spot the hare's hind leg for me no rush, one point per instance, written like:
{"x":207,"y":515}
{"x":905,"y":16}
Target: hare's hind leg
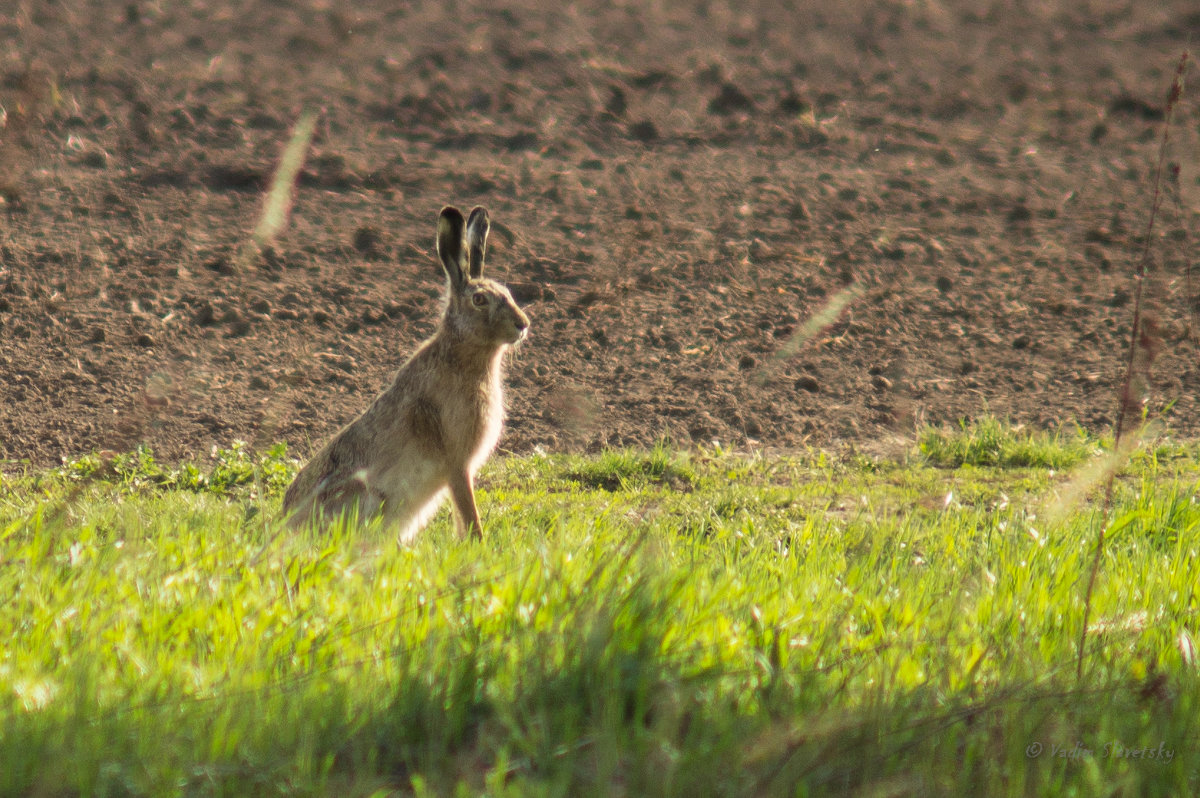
{"x":462,"y":491}
{"x":342,"y":497}
{"x":410,"y":517}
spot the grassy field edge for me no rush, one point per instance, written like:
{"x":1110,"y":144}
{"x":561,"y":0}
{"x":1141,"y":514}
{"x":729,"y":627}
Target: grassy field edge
{"x":659,"y":622}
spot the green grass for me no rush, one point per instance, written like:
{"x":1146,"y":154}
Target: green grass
{"x":635,"y":624}
{"x":990,"y":442}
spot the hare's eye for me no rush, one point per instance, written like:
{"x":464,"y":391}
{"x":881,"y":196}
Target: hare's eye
{"x":478,"y":300}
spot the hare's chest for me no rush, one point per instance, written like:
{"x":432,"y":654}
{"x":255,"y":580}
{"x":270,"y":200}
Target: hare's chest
{"x":469,"y":419}
{"x":490,"y":421}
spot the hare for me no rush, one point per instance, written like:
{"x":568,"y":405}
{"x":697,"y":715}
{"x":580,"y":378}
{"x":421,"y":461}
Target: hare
{"x":436,"y":424}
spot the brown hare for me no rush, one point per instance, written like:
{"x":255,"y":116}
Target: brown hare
{"x":436,"y":424}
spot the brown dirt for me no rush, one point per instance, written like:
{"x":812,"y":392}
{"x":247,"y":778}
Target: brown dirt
{"x":677,"y":188}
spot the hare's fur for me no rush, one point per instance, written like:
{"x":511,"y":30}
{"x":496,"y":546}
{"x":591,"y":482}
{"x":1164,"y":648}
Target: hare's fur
{"x":429,"y":432}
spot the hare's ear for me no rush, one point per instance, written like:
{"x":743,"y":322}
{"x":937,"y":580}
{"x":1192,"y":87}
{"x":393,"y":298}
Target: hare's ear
{"x":477,"y":233}
{"x":450,"y":244}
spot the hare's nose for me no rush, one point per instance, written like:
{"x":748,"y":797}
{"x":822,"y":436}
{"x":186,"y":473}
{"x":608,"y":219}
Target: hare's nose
{"x":522,"y":322}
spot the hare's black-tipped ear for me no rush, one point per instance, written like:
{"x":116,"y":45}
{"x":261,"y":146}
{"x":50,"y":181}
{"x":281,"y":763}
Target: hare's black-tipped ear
{"x":477,"y":233}
{"x":450,"y":244}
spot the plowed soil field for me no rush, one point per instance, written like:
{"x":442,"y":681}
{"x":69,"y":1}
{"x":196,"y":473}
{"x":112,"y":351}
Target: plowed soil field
{"x":761,"y":223}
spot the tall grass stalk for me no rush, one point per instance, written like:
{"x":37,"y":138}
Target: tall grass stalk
{"x":1144,"y":341}
{"x":279,"y":197}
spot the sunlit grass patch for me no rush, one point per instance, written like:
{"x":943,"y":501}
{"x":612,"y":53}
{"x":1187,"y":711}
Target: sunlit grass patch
{"x":635,"y":623}
{"x":626,"y":468}
{"x":990,"y":442}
